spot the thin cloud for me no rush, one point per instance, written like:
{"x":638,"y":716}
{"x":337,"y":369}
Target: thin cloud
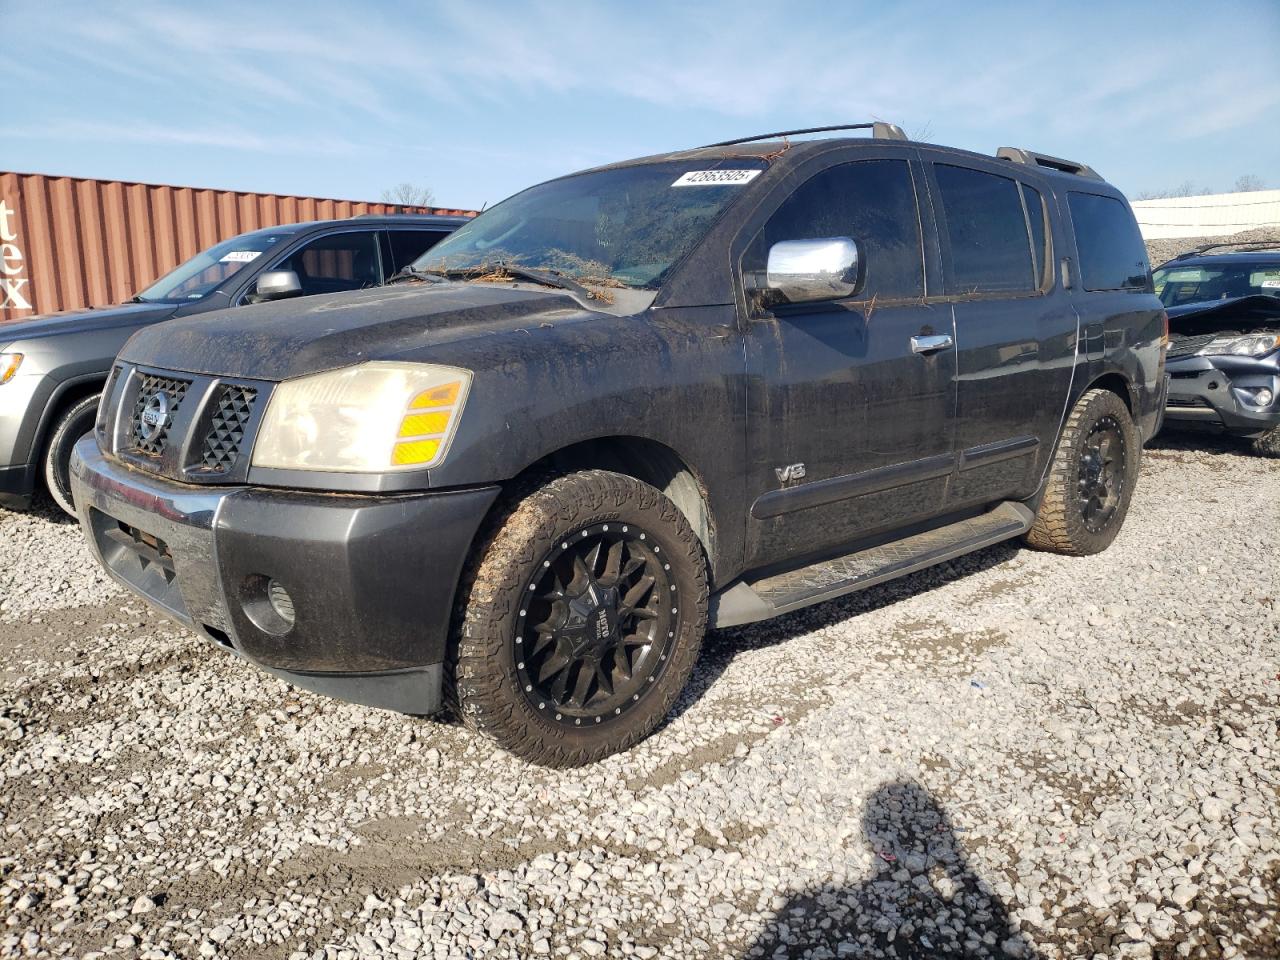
{"x":78,"y":131}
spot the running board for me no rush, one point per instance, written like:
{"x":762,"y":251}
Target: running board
{"x":748,"y":601}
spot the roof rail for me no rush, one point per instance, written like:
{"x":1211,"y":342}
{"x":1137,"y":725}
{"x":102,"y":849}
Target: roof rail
{"x":1018,"y":155}
{"x":879,"y":130}
{"x":1227,"y":243}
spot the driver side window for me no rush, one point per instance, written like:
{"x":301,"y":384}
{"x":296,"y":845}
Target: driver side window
{"x":343,"y":261}
{"x":872,"y":201}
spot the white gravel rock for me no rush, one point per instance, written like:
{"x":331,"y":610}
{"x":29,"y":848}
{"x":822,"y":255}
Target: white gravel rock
{"x":1014,"y":754}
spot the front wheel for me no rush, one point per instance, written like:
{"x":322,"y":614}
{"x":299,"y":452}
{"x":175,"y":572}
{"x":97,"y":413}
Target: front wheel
{"x":580,"y":620}
{"x":71,"y":426}
{"x":1092,"y":478}
{"x":1268,"y":445}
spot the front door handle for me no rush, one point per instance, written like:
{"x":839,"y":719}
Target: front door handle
{"x":932,"y":344}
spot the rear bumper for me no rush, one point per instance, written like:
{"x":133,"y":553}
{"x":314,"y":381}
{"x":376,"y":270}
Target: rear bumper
{"x":1201,"y":394}
{"x":371,"y":579}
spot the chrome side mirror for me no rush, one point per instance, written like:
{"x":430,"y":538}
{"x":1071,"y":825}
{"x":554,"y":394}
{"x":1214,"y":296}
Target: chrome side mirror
{"x":277,"y":285}
{"x":804,"y":271}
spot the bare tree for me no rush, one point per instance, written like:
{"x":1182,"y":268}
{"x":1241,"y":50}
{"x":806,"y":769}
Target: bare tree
{"x":1247,"y":183}
{"x":1185,"y":189}
{"x":410,"y":195}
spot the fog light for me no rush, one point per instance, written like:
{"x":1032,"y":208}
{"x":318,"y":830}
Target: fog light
{"x":1262,"y":396}
{"x":280,"y":601}
{"x":267,"y":604}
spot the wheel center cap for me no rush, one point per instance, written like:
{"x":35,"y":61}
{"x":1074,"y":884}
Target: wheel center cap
{"x":592,"y":624}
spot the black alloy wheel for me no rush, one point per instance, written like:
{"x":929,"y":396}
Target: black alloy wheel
{"x":599,"y":619}
{"x":1102,"y":473}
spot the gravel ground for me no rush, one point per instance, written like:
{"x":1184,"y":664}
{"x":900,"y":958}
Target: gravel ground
{"x":1015,"y":754}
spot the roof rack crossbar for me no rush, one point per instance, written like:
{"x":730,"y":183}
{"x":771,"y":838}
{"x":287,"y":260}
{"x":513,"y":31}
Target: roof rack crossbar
{"x":879,"y":130}
{"x":1227,"y":243}
{"x":1030,"y":157}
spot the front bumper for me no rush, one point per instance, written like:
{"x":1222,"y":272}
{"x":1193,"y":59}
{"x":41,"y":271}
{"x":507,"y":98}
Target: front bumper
{"x":1216,"y":397}
{"x":17,"y":484}
{"x":371,"y":579}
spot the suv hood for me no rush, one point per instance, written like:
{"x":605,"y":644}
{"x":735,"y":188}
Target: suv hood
{"x":1261,"y":309}
{"x":84,"y":321}
{"x":292,"y":338}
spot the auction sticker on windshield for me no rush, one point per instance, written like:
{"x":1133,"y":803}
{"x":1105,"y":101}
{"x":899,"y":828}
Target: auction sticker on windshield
{"x":715,"y":178}
{"x":241,"y":256}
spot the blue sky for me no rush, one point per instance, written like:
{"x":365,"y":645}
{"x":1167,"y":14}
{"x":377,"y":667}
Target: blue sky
{"x":476,"y":100}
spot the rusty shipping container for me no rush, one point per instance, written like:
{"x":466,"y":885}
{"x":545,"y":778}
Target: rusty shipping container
{"x":68,"y":243}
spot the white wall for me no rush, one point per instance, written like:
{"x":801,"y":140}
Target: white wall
{"x":1214,"y":215}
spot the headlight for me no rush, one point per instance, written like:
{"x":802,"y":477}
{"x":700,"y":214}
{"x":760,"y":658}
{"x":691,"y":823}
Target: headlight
{"x":9,"y":364}
{"x":1251,"y":345}
{"x":371,"y":418}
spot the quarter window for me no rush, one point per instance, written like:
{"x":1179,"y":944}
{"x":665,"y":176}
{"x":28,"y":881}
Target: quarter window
{"x":1036,"y":221}
{"x":872,"y":201}
{"x":408,"y":245}
{"x":1112,"y":254}
{"x":985,"y":233}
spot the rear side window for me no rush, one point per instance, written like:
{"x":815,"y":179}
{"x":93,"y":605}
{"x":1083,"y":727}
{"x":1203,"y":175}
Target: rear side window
{"x":1112,"y":254}
{"x":408,"y":245}
{"x":985,"y":233}
{"x":872,"y":201}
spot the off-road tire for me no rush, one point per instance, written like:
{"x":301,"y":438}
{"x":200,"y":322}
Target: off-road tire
{"x":1060,"y":525}
{"x":481,"y":681}
{"x":1268,"y":445}
{"x":71,"y":426}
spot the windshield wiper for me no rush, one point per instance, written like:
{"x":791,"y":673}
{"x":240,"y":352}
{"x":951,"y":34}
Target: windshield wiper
{"x":408,"y":273}
{"x":548,"y":278}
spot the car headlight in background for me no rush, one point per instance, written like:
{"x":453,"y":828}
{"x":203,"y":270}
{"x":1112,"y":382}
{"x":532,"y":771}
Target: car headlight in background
{"x":1250,"y":345}
{"x":376,"y":417}
{"x":9,"y":364}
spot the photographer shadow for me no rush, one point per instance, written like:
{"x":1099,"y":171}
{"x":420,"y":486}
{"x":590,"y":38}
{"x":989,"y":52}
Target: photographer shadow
{"x":922,"y":901}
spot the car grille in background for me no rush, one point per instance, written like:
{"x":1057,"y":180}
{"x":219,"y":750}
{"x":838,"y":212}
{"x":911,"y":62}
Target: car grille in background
{"x":175,"y":389}
{"x":232,"y":407}
{"x":1187,"y":402}
{"x":1186,"y":346}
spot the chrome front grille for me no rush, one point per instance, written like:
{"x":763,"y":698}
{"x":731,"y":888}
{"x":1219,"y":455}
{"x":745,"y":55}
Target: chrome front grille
{"x":161,"y":398}
{"x":232,"y":408}
{"x":188,"y":427}
{"x":1186,"y":346}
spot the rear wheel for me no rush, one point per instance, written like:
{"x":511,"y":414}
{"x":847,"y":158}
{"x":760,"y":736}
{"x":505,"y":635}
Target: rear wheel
{"x":1092,"y":478}
{"x":581,"y":620}
{"x":73,"y":424}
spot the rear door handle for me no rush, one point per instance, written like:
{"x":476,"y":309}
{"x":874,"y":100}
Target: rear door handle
{"x":931,"y":344}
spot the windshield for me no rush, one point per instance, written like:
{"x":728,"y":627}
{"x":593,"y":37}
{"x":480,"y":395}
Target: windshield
{"x":623,"y":227}
{"x":1197,"y":283}
{"x":206,"y":270}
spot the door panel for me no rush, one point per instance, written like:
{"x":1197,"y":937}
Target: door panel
{"x":837,"y":387}
{"x":1015,"y":330}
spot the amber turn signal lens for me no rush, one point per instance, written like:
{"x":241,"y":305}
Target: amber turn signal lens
{"x":442,"y":396}
{"x":9,"y":364}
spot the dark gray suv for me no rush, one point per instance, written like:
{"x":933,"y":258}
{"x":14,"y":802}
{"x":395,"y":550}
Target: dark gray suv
{"x":698,"y":389}
{"x":52,"y":368}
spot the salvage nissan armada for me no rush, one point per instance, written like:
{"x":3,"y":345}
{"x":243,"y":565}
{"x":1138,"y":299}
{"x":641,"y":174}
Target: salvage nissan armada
{"x":693,"y":390}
